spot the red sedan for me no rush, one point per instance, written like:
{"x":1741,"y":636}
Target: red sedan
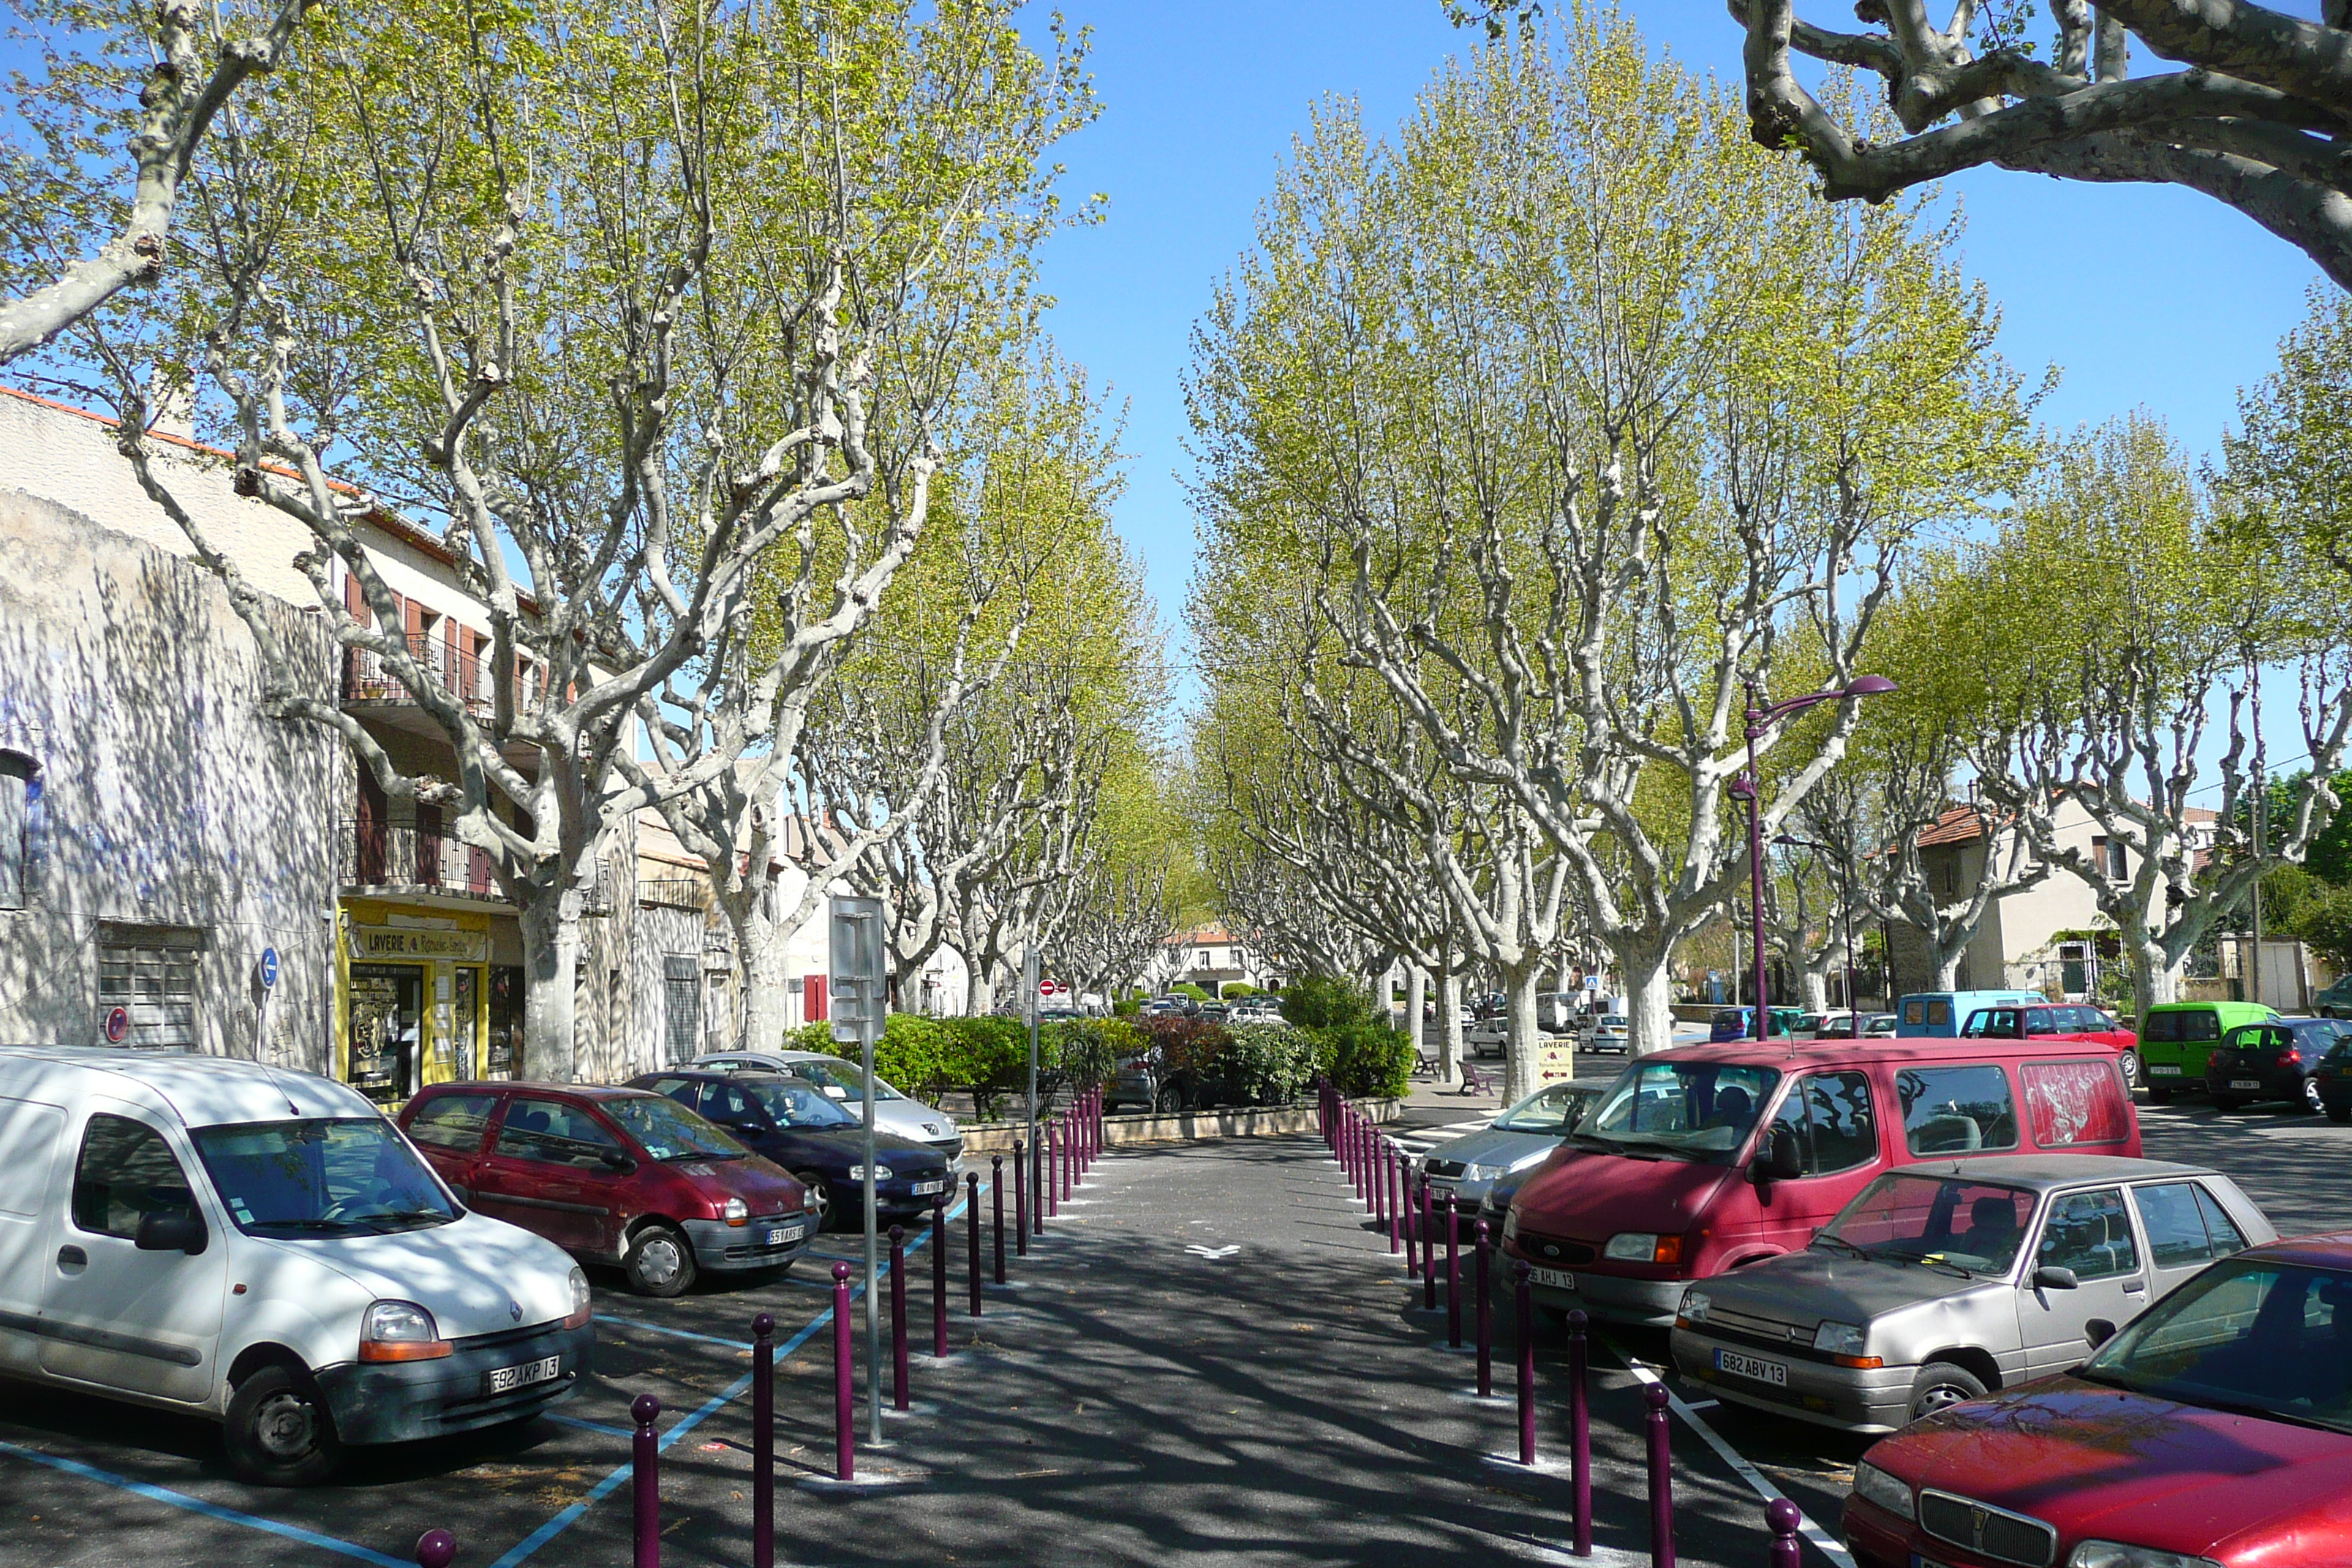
{"x":2214,"y":1432}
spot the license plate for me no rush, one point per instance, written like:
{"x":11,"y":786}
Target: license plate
{"x":506,"y":1379}
{"x":925,"y":1189}
{"x":1558,"y":1278}
{"x":2245,"y":1083}
{"x":784,"y":1233}
{"x":1772,"y":1371}
{"x":2156,"y":1071}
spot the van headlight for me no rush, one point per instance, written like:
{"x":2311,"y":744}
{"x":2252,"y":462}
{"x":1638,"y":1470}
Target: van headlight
{"x":1875,"y":1487}
{"x":578,"y":1317}
{"x":2115,"y":1554}
{"x":1697,"y":1307}
{"x":1839,"y":1338}
{"x":1631,"y":1246}
{"x":400,"y":1330}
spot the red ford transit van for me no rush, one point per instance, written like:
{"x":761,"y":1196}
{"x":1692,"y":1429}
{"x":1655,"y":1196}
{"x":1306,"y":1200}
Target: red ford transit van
{"x":1706,"y":1157}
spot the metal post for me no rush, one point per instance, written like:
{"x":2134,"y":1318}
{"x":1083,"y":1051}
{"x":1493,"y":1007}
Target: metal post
{"x":435,"y":1549}
{"x":939,"y":1272}
{"x":1783,"y":1517}
{"x":865,"y":1032}
{"x":1755,"y":876}
{"x":1526,"y":1326}
{"x":996,"y":1195}
{"x":1579,"y":1434}
{"x":1030,"y":975}
{"x":1020,"y":1198}
{"x":1453,"y":1270}
{"x":1486,"y":1316}
{"x":898,"y":1317}
{"x":971,"y":1232}
{"x":845,"y":1399}
{"x":1428,"y":1251}
{"x":644,"y":1477}
{"x":763,"y":1441}
{"x":1662,"y":1479}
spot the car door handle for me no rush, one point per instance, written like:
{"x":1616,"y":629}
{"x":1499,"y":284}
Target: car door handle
{"x":2134,"y":1287}
{"x":72,"y":1257}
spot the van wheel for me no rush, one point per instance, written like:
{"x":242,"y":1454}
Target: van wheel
{"x":661,"y":1263}
{"x":1941,"y":1385}
{"x":279,"y":1433}
{"x":2158,"y":1093}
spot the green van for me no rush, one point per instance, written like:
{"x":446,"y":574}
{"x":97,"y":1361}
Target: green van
{"x":2176,"y":1038}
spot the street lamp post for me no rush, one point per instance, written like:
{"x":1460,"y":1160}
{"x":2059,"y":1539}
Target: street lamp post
{"x":1745,"y":787}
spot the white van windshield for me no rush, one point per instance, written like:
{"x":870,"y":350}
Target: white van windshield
{"x":321,"y":1177}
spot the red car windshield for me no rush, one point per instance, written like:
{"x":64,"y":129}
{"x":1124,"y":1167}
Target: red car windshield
{"x":667,"y":1130}
{"x":2250,"y":1337}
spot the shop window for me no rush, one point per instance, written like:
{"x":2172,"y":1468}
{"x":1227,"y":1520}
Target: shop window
{"x":150,"y":972}
{"x":682,"y":1004}
{"x":20,"y":804}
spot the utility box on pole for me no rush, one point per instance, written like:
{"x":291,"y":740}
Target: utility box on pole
{"x":856,"y":1017}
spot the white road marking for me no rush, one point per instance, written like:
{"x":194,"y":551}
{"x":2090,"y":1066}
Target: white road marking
{"x":1212,"y":1253}
{"x":1822,"y":1539}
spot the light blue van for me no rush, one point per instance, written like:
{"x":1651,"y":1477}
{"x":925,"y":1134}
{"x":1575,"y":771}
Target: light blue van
{"x":1940,"y":1014}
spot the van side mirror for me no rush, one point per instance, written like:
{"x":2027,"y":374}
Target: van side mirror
{"x":1779,"y":1159}
{"x":169,"y":1232}
{"x":2050,"y":1277}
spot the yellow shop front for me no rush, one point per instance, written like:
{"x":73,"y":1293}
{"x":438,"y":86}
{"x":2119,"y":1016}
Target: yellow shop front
{"x":424,"y":995}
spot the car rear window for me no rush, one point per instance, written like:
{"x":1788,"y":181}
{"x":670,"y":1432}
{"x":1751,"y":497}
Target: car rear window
{"x":2186,"y":1226}
{"x":2187,"y":1024}
{"x":2068,"y":1103}
{"x":1959,"y":1110}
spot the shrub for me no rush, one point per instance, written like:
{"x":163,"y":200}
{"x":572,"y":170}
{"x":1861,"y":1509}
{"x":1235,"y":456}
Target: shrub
{"x":1126,"y":1007}
{"x":1363,"y":1054}
{"x":1269,"y":1064}
{"x":1186,"y":988}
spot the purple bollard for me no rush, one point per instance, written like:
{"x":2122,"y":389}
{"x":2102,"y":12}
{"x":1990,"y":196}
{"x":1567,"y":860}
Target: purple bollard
{"x":1579,"y":1434}
{"x":939,"y":1273}
{"x":971,"y":1232}
{"x":763,"y":1441}
{"x":1453,"y":1270}
{"x":1525,"y":1328}
{"x":1391,"y":1186}
{"x":1037,"y":1186}
{"x":1428,"y":1251}
{"x":1485,"y":1249}
{"x":1783,"y":1517}
{"x":898,"y":1317}
{"x":645,"y":1475}
{"x":996,"y":1194}
{"x":1662,"y":1479}
{"x":1020,"y":1198}
{"x":1052,"y":1178}
{"x":844,"y":1400}
{"x":1069,"y":1153}
{"x":1415,"y":1241}
{"x":435,"y":1549}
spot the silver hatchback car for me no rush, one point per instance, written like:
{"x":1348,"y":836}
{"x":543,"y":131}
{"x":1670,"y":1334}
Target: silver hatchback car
{"x":1941,"y":1282}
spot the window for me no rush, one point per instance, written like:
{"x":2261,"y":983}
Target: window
{"x":125,"y":1176}
{"x":1956,"y":1110}
{"x":1829,"y":1116}
{"x":2068,"y":1103}
{"x":20,"y":797}
{"x":453,"y":1122}
{"x":2187,"y":1024}
{"x":319,"y":1177}
{"x":2090,"y":1233}
{"x":1699,"y":1107}
{"x":150,"y":972}
{"x":726,"y":1102}
{"x":554,"y":1133}
{"x":2108,"y":855}
{"x":2042,"y":1021}
{"x":681,"y":1004}
{"x":2186,"y":1227}
{"x":1974,"y":1225}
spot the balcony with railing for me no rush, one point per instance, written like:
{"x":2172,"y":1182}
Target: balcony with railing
{"x":413,"y":856}
{"x":371,"y":680}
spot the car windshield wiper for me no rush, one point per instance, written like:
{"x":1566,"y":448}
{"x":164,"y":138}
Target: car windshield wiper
{"x":1646,"y":1145}
{"x":1840,"y":1243}
{"x":336,"y":1226}
{"x":404,"y":1216}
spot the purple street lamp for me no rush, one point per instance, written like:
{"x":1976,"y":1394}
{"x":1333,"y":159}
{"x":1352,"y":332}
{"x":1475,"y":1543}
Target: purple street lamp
{"x":1759,"y":723}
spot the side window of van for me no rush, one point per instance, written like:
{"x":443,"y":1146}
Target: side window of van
{"x":452,"y":1121}
{"x":126,"y":1173}
{"x":1830,"y":1115}
{"x":554,"y":1133}
{"x":2068,"y":1103}
{"x":1956,"y":1110}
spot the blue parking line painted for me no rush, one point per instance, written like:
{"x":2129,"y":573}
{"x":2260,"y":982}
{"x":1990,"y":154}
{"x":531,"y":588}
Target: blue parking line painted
{"x":523,"y":1550}
{"x":209,"y":1509}
{"x":675,"y":1334}
{"x":610,"y":1431}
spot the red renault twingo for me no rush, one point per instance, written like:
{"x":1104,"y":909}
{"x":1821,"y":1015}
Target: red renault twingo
{"x":613,"y":1175}
{"x":2214,"y":1432}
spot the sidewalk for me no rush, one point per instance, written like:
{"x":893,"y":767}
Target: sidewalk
{"x":1265,"y":1399}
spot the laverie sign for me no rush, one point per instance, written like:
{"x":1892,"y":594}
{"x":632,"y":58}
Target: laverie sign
{"x":405,"y":941}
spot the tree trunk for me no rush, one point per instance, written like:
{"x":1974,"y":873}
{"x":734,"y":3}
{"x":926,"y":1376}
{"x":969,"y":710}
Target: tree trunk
{"x":1815,"y":983}
{"x":2154,"y":981}
{"x":1524,"y":1041}
{"x":550,"y":959}
{"x":1946,"y":962}
{"x":1649,"y":1000}
{"x":979,"y":995}
{"x":1416,"y":993}
{"x":1449,"y":1003}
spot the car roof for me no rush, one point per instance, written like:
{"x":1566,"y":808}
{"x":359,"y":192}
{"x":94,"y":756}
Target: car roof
{"x":1784,"y":1052}
{"x":2324,"y":1249}
{"x":201,"y":1091}
{"x":2043,"y":1171}
{"x":573,"y":1091}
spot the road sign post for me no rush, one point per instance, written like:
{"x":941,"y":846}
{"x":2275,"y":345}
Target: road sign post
{"x":856,"y":1015}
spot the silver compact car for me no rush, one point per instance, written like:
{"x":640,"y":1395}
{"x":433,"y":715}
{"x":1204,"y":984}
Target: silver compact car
{"x":1940,"y":1283}
{"x":1513,"y":1144}
{"x":899,"y":1114}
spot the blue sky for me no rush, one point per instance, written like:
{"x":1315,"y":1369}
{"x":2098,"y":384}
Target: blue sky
{"x":2140,"y":295}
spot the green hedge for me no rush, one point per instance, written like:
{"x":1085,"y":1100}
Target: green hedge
{"x":928,"y":1057}
{"x":1202,"y":1063}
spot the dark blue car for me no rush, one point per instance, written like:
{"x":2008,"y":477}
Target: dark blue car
{"x":792,"y":1123}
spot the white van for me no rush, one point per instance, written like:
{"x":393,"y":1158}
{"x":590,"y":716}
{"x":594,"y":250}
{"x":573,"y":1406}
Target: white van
{"x":262,"y":1247}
